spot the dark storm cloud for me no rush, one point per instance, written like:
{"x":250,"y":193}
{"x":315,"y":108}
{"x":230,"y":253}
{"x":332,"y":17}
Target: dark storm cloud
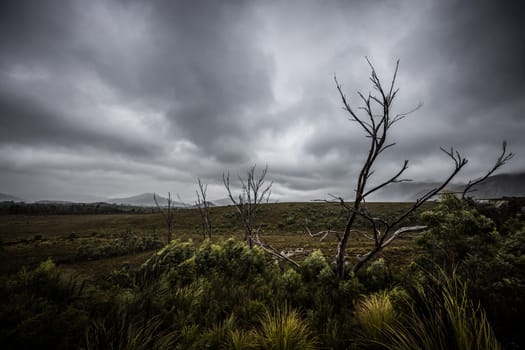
{"x":224,"y":76}
{"x":469,"y":56}
{"x":485,"y":40}
{"x":30,"y":28}
{"x":474,"y":53}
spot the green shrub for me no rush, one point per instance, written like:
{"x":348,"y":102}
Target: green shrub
{"x":315,"y":266}
{"x":210,"y":257}
{"x":243,"y":262}
{"x":293,"y":284}
{"x":377,"y":276}
{"x":167,"y":258}
{"x":457,"y":230}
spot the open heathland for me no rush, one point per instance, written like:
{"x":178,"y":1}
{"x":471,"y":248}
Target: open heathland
{"x":82,"y":240}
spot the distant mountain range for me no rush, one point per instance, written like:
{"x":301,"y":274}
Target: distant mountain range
{"x":497,"y":186}
{"x":50,"y":201}
{"x":145,"y":200}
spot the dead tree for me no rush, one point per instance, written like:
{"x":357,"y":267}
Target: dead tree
{"x":376,"y":120}
{"x":502,"y":159}
{"x":254,"y":191}
{"x":204,"y":208}
{"x":167,"y":215}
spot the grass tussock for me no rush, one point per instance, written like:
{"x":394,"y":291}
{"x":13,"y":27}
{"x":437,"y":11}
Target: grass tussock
{"x":284,"y":329}
{"x":438,"y":316}
{"x":375,"y":313}
{"x":239,"y":339}
{"x":122,"y":332}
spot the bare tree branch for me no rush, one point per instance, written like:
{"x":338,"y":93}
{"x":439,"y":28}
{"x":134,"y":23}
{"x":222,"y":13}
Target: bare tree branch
{"x":365,"y":257}
{"x":502,"y":159}
{"x":393,"y":179}
{"x":323,"y":234}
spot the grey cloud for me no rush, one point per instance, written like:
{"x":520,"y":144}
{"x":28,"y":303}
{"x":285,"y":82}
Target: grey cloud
{"x":202,"y":61}
{"x":225,"y":78}
{"x":27,"y":121}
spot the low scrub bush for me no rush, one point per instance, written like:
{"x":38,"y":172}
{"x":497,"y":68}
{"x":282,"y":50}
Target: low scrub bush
{"x":126,"y":244}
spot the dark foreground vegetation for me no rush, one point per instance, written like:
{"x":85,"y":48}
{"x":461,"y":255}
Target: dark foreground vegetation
{"x":458,"y":285}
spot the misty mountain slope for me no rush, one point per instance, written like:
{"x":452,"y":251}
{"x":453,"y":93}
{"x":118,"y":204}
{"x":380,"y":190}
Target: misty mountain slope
{"x":497,"y":186}
{"x":7,"y":197}
{"x":503,"y":185}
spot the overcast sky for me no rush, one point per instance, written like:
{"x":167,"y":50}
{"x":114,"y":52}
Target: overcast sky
{"x":104,"y":99}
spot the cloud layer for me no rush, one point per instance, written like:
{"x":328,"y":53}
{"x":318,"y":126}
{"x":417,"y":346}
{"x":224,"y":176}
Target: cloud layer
{"x":111,"y":98}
